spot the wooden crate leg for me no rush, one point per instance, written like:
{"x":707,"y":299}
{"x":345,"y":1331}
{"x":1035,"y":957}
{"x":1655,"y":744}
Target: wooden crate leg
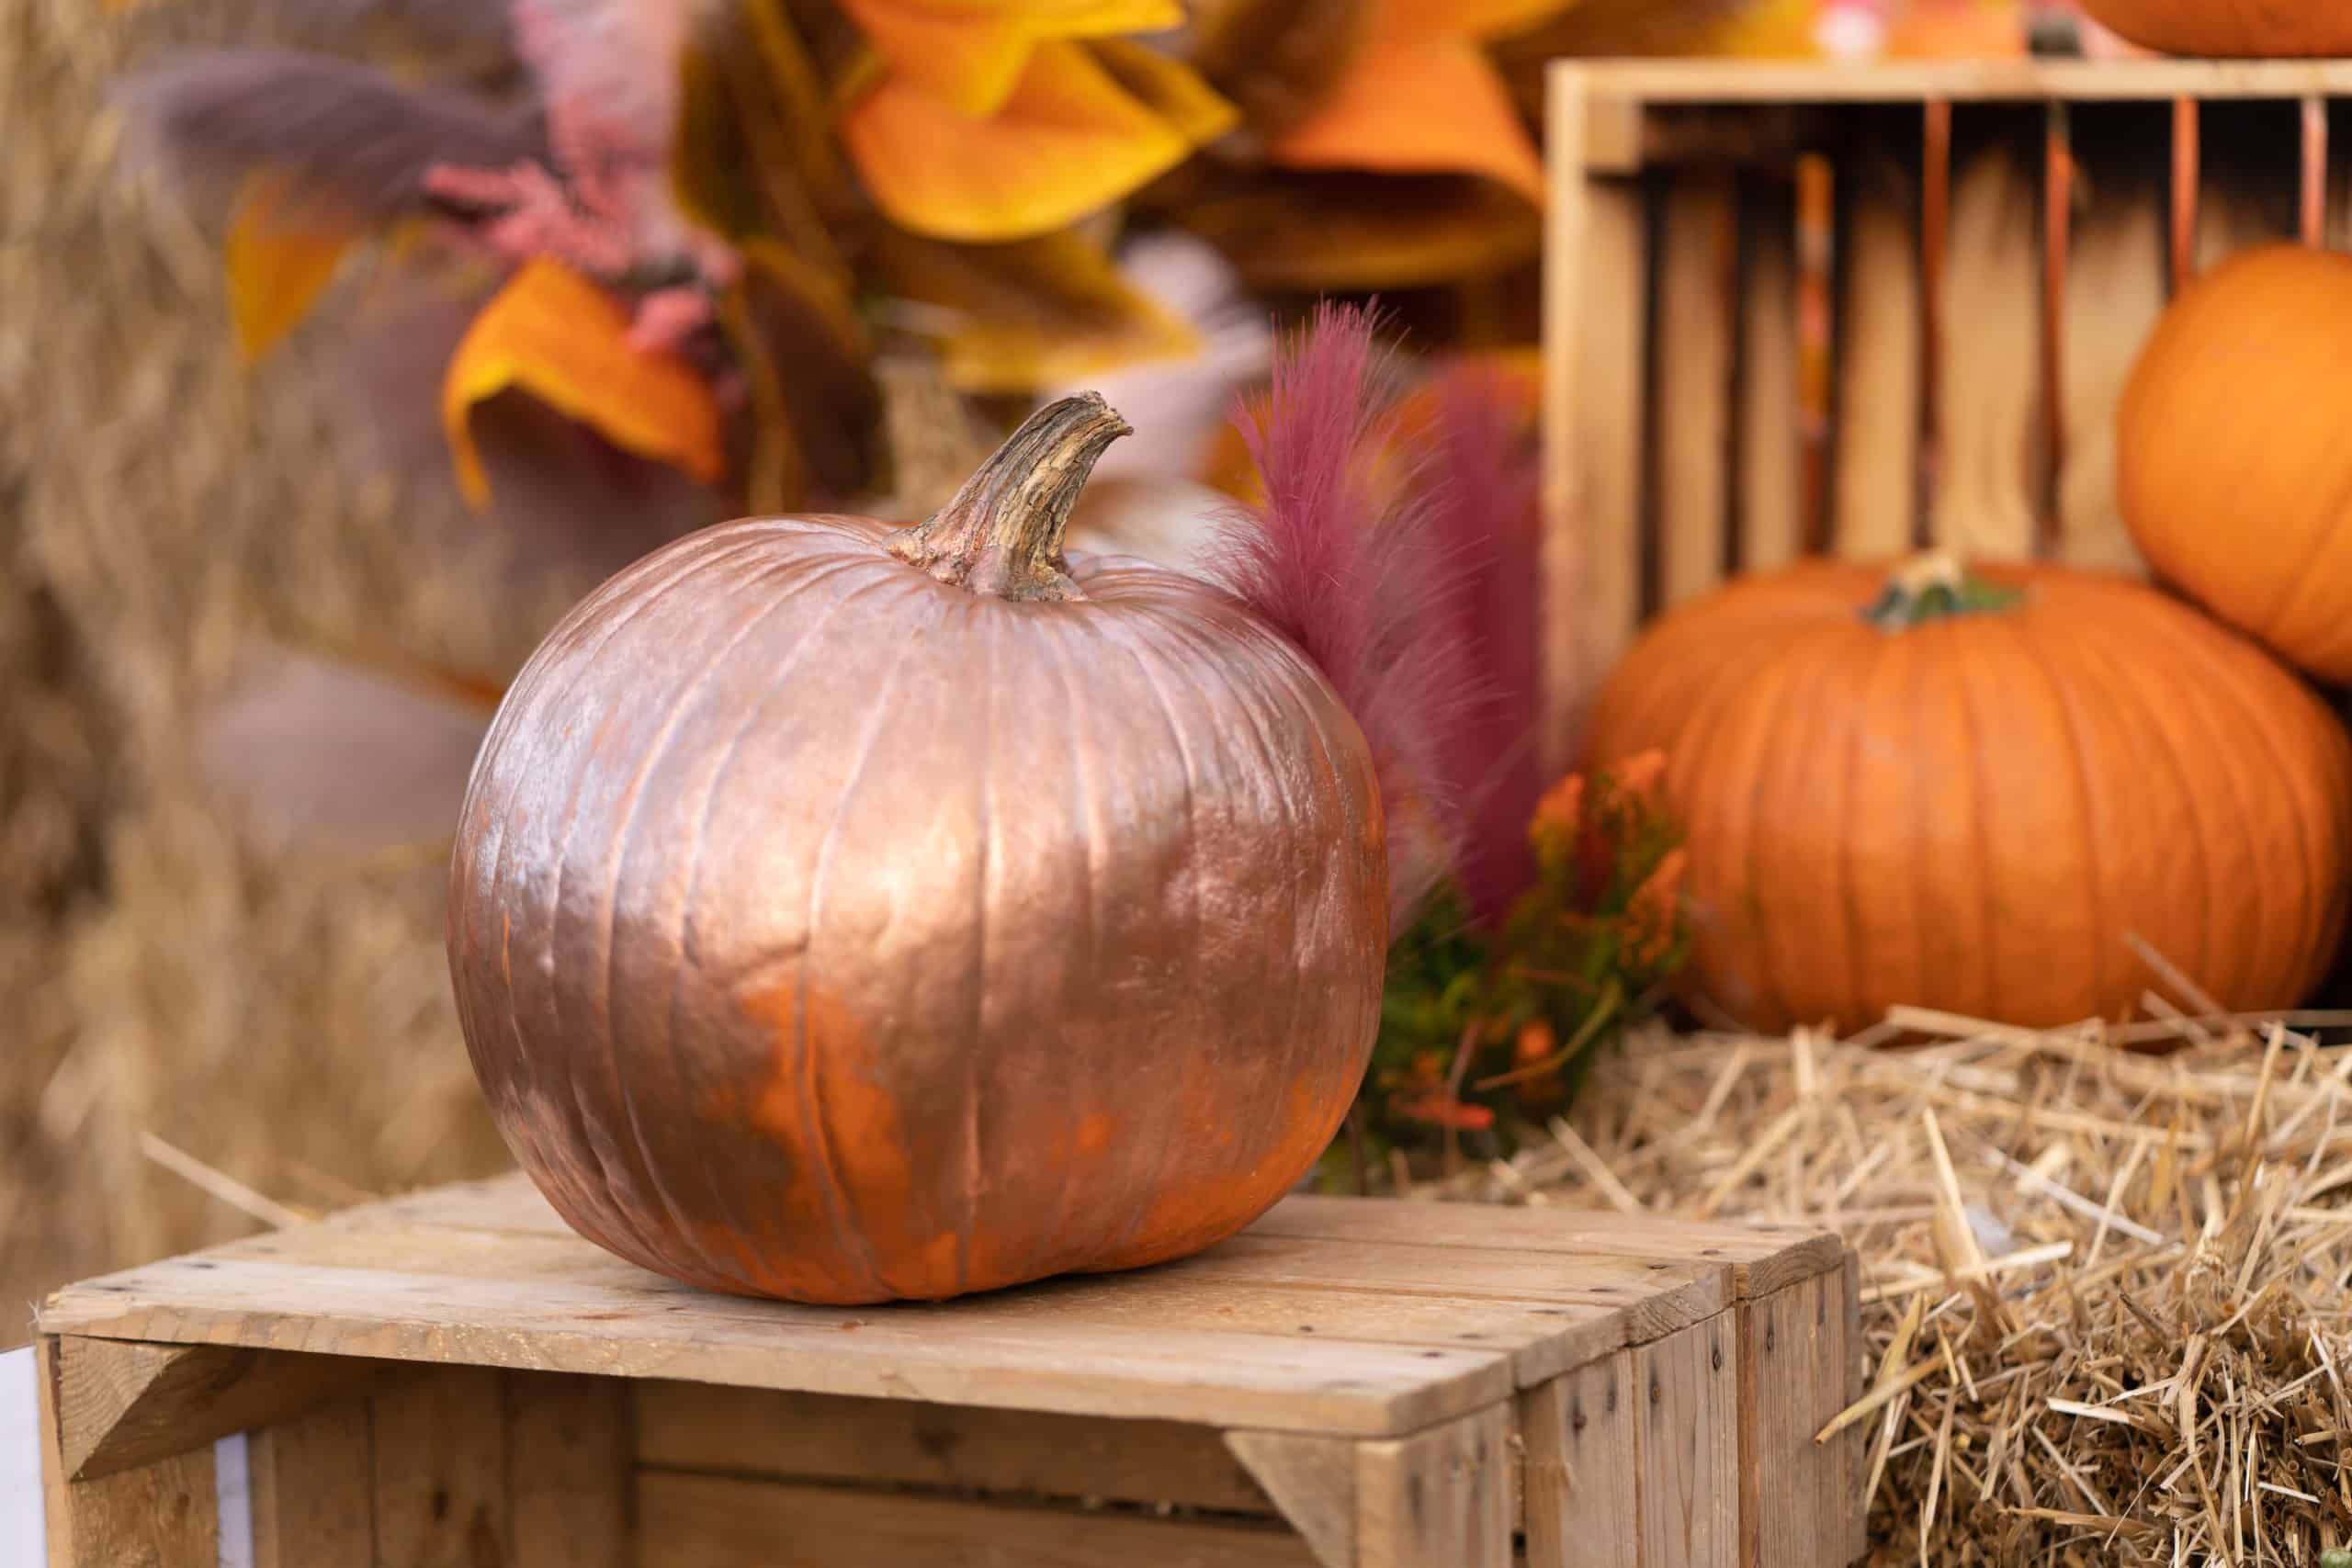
{"x":1312,"y":1480}
{"x":1582,"y":1500}
{"x":1796,"y":1497}
{"x":159,"y":1514}
{"x":1439,"y":1498}
{"x":1686,"y":1445}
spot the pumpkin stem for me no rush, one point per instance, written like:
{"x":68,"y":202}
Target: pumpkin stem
{"x":1935,"y":587}
{"x":1002,"y":533}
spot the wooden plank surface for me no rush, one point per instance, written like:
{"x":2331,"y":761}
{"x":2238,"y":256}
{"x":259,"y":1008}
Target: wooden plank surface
{"x":1697,"y":326}
{"x":127,"y":1405}
{"x":567,"y":1460}
{"x":1898,"y":81}
{"x":1596,"y":283}
{"x":1439,"y":1498}
{"x":313,"y":1490}
{"x":1686,"y":1445}
{"x":1763,"y":1257}
{"x":813,"y":1436}
{"x":699,"y":1521}
{"x":658,"y":1329}
{"x":1583,"y":1497}
{"x":1794,"y":1508}
{"x":439,"y":1462}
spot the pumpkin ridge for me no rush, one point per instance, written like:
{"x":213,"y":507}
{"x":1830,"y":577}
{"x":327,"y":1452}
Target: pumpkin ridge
{"x":2062,"y":700}
{"x":1127,"y":1235}
{"x":2229,"y":683}
{"x":632,"y":797}
{"x":2297,"y":586}
{"x":816,"y":1134}
{"x":1790,"y":665}
{"x":2124,"y":673}
{"x":1271,"y":1108}
{"x":722,"y":764}
{"x":692,"y":563}
{"x":1075,"y":700}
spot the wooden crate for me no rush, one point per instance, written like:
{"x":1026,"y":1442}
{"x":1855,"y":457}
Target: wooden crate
{"x":1803,"y":309}
{"x":453,"y":1378}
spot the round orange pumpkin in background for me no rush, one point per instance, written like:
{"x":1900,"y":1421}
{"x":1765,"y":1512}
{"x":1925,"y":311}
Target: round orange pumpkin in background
{"x":2235,"y":450}
{"x":2245,"y":30}
{"x":1967,"y":792}
{"x":846,"y":913}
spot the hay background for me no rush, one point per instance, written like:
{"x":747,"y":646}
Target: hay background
{"x":161,"y":512}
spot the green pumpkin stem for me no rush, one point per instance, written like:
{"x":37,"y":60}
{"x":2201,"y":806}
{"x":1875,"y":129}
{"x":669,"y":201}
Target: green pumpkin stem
{"x":1935,"y":587}
{"x":1002,"y":533}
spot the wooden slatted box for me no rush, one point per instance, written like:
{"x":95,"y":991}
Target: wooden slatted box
{"x":1805,"y":309}
{"x":454,"y":1379}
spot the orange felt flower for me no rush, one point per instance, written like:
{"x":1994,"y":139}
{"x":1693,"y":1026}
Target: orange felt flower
{"x":1085,"y":125}
{"x":1422,"y":97}
{"x":1650,"y":914}
{"x":562,"y":339}
{"x":1638,"y":776}
{"x":1559,"y":816}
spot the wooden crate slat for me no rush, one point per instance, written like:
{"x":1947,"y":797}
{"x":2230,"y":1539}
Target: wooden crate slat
{"x":813,"y":1436}
{"x":1763,"y":1258}
{"x":1438,"y":1500}
{"x":1769,"y":490}
{"x":568,"y":1445}
{"x":1882,"y":374}
{"x":1903,"y":81}
{"x":1583,"y":1469}
{"x":1314,"y":1481}
{"x":697,"y":1521}
{"x":1698,"y":325}
{"x":1235,"y":1378}
{"x":1562,"y":1312}
{"x":438,"y":1457}
{"x":1792,"y":1351}
{"x":1686,"y":1441}
{"x":1985,"y":391}
{"x":128,"y":1405}
{"x":312,"y":1489}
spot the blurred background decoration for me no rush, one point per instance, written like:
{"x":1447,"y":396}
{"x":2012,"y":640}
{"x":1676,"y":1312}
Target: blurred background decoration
{"x":347,"y":343}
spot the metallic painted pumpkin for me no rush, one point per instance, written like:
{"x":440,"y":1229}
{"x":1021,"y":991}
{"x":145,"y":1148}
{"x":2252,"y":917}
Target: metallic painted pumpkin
{"x":846,"y":913}
{"x":2231,"y":29}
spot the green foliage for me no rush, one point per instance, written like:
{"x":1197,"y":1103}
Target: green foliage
{"x":1486,"y":1030}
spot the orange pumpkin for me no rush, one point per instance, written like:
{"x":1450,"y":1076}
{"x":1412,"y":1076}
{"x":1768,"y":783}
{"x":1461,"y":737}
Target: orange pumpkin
{"x":2248,"y":29}
{"x":2234,"y":457}
{"x":1967,"y":792}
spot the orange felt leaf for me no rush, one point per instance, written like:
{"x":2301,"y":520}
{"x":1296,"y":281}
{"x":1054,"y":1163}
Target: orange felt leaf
{"x":280,"y":260}
{"x":562,"y":339}
{"x":1073,"y":137}
{"x":1428,"y":105}
{"x":969,"y":54}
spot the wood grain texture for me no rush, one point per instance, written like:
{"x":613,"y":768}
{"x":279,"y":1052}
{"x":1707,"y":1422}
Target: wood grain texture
{"x":1596,"y":283}
{"x":1697,"y":328}
{"x":567,"y":1456}
{"x":1855,"y":1544}
{"x":313,"y":1490}
{"x":1686,"y":1445}
{"x":1988,"y":81}
{"x":655,"y":1329}
{"x":1763,"y":1257}
{"x":439,"y":1467}
{"x":1439,"y":1498}
{"x":700,"y":1521}
{"x":1767,"y":494}
{"x":163,"y":1514}
{"x":1797,"y":1508}
{"x":1881,"y":359}
{"x":1583,"y":1499}
{"x":1313,"y":1483}
{"x":813,"y":1436}
{"x":125,"y":1404}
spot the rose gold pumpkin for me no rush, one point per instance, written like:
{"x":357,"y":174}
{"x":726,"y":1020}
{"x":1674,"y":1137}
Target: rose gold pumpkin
{"x":841,"y":913}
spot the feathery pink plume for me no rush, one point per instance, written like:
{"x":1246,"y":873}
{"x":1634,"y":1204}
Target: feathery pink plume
{"x":1351,"y":571}
{"x":1481,"y":483}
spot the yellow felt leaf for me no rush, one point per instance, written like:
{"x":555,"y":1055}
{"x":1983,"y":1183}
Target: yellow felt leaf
{"x":1071,"y":139}
{"x":1031,"y":314}
{"x":1436,"y":105}
{"x":281,"y":255}
{"x":1774,"y":29}
{"x":563,"y":340}
{"x":970,"y":53}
